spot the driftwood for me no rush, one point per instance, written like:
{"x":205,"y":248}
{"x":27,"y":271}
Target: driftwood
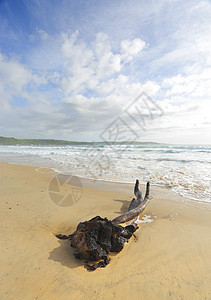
{"x":94,"y":239}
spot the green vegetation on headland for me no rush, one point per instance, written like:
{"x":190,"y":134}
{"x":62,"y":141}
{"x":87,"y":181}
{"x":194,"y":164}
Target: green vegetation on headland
{"x":48,"y":142}
{"x":14,"y":141}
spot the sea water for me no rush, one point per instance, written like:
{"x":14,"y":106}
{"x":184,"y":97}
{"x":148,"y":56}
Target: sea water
{"x":185,"y":169}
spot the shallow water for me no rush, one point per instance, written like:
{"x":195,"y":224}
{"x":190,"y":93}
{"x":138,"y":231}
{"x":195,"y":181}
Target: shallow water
{"x":186,"y":169}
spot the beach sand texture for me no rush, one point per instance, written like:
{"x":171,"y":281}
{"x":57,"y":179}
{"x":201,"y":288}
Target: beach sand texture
{"x":170,"y":258}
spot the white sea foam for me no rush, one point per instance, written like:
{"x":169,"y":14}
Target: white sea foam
{"x":145,"y":219}
{"x":186,"y":169}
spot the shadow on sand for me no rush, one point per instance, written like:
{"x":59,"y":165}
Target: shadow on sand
{"x":124,"y":208}
{"x":64,"y":255}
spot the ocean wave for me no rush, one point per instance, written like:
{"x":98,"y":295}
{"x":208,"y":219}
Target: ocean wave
{"x":186,"y":169}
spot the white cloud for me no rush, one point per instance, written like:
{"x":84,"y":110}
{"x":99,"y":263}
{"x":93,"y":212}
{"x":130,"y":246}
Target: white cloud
{"x":151,"y":88}
{"x":130,"y":49}
{"x":79,"y":82}
{"x":13,"y":75}
{"x":16,"y":79}
{"x":95,"y":67}
{"x":186,"y":105}
{"x":194,"y":85}
{"x":111,"y":85}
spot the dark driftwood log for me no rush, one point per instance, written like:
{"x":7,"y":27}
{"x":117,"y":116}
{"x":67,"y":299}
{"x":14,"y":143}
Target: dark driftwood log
{"x":94,"y":239}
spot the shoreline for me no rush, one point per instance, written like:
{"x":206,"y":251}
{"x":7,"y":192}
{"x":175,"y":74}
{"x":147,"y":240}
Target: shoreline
{"x":184,"y":169}
{"x":169,"y":259}
{"x":86,"y":180}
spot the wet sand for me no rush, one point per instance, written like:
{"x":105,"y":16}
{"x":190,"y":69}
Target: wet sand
{"x":170,"y":258}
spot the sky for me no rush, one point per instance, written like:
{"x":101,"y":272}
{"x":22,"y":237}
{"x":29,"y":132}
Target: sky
{"x":106,"y":70}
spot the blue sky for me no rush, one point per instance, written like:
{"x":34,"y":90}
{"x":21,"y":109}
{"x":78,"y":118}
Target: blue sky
{"x":68,"y":69}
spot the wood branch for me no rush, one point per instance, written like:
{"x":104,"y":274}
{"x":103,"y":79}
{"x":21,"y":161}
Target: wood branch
{"x":136,"y":202}
{"x":136,"y":207}
{"x":94,"y":239}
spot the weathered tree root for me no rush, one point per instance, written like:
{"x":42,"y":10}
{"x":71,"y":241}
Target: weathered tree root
{"x":94,"y":239}
{"x":136,"y":206}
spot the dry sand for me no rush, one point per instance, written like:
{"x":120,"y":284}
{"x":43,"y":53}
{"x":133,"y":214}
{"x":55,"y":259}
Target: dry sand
{"x":168,"y":259}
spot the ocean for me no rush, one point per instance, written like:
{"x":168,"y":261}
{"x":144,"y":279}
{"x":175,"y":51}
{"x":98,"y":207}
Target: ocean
{"x":185,"y":169}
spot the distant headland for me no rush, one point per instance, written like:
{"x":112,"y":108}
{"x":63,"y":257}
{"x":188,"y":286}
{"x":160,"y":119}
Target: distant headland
{"x":48,"y":142}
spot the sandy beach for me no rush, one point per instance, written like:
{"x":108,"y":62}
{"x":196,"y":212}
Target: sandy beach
{"x":168,"y":259}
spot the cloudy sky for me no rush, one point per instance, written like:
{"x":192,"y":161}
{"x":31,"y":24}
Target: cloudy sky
{"x":77,"y":70}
